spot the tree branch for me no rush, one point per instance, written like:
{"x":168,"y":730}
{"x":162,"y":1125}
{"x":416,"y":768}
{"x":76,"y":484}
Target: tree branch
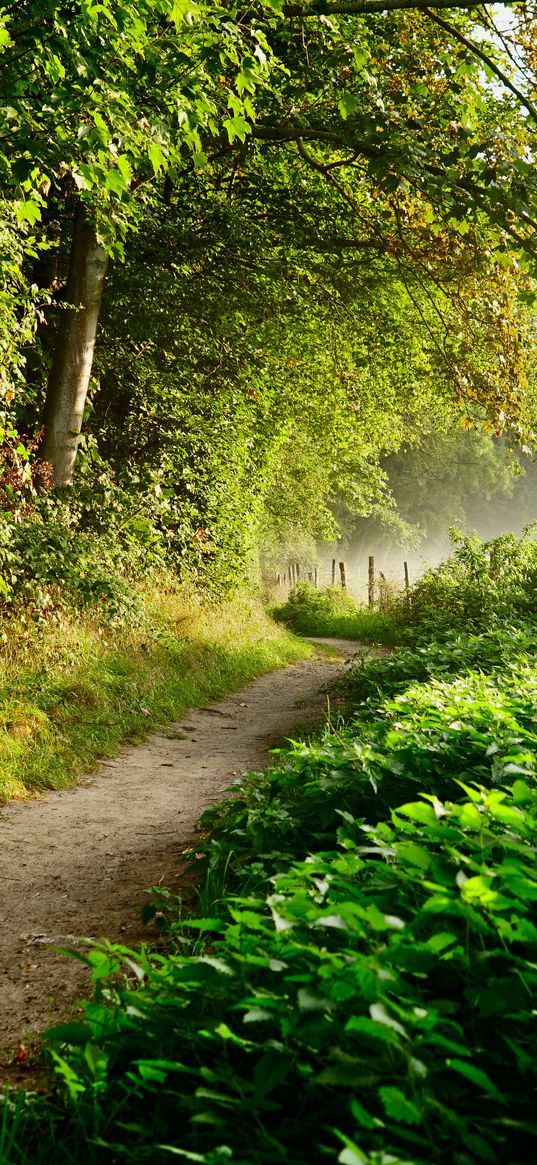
{"x":267,"y":133}
{"x":482,"y":56}
{"x":370,"y":7}
{"x":345,"y":194}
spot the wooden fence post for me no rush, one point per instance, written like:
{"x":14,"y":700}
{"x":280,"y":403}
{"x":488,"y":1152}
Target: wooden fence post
{"x":407,"y":578}
{"x":333,"y":572}
{"x":342,"y":575}
{"x":371,"y":581}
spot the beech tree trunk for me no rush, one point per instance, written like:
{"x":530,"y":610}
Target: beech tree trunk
{"x":73,"y":356}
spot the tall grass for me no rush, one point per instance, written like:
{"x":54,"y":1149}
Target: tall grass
{"x":74,"y":690}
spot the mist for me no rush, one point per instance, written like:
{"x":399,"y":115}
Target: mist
{"x":463,"y":480}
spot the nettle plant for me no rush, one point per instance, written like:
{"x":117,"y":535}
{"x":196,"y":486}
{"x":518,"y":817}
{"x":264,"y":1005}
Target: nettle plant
{"x":481,"y":585}
{"x":373,"y":1006}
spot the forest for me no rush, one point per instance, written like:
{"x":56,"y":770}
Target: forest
{"x":268,"y":298}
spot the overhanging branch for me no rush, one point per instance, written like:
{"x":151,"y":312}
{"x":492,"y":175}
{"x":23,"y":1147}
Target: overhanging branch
{"x":478,"y":52}
{"x":268,"y":133}
{"x":372,"y":7}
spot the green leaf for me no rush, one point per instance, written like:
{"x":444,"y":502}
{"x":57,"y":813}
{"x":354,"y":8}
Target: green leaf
{"x":374,"y":1029}
{"x":398,"y":1106}
{"x":363,"y":1117}
{"x":28,"y":210}
{"x":418,"y":811}
{"x":271,"y":1070}
{"x":76,"y":1034}
{"x":237,"y":127}
{"x":476,"y":1076}
{"x":156,"y":157}
{"x":351,"y":1157}
{"x":415,"y":855}
{"x":115,"y":181}
{"x":379,"y":1014}
{"x":347,"y":104}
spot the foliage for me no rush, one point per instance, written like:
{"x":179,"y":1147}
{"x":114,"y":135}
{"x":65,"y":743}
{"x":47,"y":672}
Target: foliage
{"x":332,"y":611}
{"x":220,"y":399}
{"x":104,"y":97}
{"x":481,"y":585}
{"x":17,"y":311}
{"x":316,"y":210}
{"x":456,"y":653}
{"x":361,"y":978}
{"x":450,"y":476}
{"x":306,"y":603}
{"x":393,"y":1006}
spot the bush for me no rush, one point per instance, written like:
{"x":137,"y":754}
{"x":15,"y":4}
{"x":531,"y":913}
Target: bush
{"x":480,"y":586}
{"x":374,"y":1005}
{"x":331,"y":611}
{"x":49,"y":566}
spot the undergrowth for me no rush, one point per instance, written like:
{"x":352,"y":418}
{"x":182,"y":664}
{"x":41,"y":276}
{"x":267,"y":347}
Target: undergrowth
{"x":482,"y":585}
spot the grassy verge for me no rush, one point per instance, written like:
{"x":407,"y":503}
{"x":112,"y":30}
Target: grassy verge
{"x":75,"y":690}
{"x":333,"y":612}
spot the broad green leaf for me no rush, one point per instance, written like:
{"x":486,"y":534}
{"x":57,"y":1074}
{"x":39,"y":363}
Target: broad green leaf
{"x":418,"y":811}
{"x":379,"y":1014}
{"x":237,"y":127}
{"x":375,"y":1029}
{"x":398,"y":1106}
{"x":156,"y":157}
{"x":347,"y":104}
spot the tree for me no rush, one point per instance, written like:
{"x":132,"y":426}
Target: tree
{"x":73,"y":357}
{"x":388,"y":106}
{"x":106,"y":97}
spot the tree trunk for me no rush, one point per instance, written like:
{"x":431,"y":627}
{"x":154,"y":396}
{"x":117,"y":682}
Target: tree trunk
{"x":73,"y":356}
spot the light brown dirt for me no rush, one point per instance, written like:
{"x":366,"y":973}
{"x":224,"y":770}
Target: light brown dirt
{"x":80,"y":863}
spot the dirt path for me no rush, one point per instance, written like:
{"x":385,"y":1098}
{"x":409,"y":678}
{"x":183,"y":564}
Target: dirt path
{"x":80,"y":862}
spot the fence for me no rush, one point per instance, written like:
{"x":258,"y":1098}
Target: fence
{"x":363,"y":582}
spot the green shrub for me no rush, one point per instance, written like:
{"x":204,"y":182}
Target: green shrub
{"x":480,"y":586}
{"x":360,"y":986}
{"x":331,"y":611}
{"x":49,"y":566}
{"x":370,"y":681}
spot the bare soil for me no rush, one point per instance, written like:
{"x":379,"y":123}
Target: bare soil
{"x":81,"y":862}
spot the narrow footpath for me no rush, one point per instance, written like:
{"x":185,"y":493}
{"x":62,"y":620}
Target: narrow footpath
{"x":80,"y":862}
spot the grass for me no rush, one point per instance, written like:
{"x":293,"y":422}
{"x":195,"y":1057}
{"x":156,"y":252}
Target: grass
{"x":367,"y":626}
{"x":74,"y":691}
{"x":332,"y":612}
